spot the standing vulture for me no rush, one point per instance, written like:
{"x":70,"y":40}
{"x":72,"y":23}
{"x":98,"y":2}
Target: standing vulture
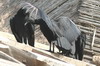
{"x":76,"y":37}
{"x":22,"y":29}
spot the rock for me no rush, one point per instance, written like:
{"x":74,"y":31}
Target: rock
{"x":96,"y":60}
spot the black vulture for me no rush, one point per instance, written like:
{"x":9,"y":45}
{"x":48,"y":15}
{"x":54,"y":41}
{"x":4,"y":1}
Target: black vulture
{"x":76,"y":37}
{"x":21,"y":28}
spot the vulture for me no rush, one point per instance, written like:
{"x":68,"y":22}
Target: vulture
{"x":76,"y":38}
{"x":22,"y":29}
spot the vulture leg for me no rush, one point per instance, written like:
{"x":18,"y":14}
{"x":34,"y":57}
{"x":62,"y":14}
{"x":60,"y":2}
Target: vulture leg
{"x":80,"y":45}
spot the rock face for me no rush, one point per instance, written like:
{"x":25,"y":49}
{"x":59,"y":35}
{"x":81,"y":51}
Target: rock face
{"x":16,"y":54}
{"x":88,"y":15}
{"x":96,"y":59}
